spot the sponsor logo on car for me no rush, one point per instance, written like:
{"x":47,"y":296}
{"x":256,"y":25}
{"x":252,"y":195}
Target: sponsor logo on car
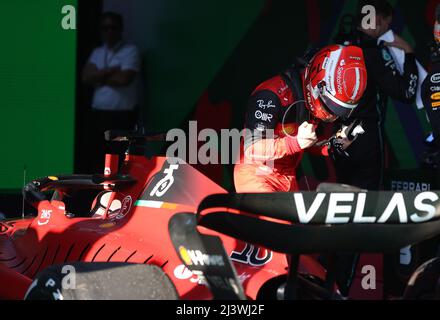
{"x":198,"y":258}
{"x":44,"y":217}
{"x":421,"y":208}
{"x":125,"y":207}
{"x":165,"y":183}
{"x":181,"y":272}
{"x":185,"y":255}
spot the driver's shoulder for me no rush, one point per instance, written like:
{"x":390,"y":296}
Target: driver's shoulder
{"x":275,"y":84}
{"x":274,"y":87}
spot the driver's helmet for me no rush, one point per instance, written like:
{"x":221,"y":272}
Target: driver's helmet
{"x":335,"y":80}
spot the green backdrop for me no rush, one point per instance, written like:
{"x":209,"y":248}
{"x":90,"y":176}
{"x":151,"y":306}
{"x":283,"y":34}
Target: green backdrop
{"x":37,"y":86}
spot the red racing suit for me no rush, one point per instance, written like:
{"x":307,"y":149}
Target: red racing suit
{"x":270,"y":152}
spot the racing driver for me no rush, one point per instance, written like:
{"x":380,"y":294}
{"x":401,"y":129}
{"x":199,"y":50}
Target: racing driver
{"x":283,"y":114}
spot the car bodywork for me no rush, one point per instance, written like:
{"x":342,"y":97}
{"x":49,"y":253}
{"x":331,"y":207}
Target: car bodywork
{"x":138,"y":233}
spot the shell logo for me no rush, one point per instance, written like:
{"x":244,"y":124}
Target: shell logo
{"x":289,"y":130}
{"x":435,"y":96}
{"x":181,"y":272}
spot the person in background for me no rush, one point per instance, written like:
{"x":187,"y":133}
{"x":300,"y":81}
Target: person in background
{"x":362,"y":163}
{"x":431,"y":102}
{"x":112,"y":70}
{"x":363,"y":167}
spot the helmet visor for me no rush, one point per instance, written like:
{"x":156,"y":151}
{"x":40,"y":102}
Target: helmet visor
{"x":329,"y":115}
{"x":336,"y":107}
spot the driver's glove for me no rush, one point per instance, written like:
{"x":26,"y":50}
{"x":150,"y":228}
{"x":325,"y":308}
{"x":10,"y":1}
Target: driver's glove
{"x":336,"y":148}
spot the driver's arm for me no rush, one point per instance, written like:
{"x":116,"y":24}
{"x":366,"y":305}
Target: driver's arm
{"x":121,"y":78}
{"x":93,"y":76}
{"x":130,"y":66}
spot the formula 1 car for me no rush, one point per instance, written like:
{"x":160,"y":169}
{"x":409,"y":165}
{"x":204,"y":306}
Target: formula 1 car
{"x":159,"y":229}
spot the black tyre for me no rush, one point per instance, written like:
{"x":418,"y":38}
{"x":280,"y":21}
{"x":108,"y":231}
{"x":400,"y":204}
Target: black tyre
{"x":102,"y":281}
{"x":424,"y":284}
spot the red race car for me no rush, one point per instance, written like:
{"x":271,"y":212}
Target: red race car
{"x":159,"y":229}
